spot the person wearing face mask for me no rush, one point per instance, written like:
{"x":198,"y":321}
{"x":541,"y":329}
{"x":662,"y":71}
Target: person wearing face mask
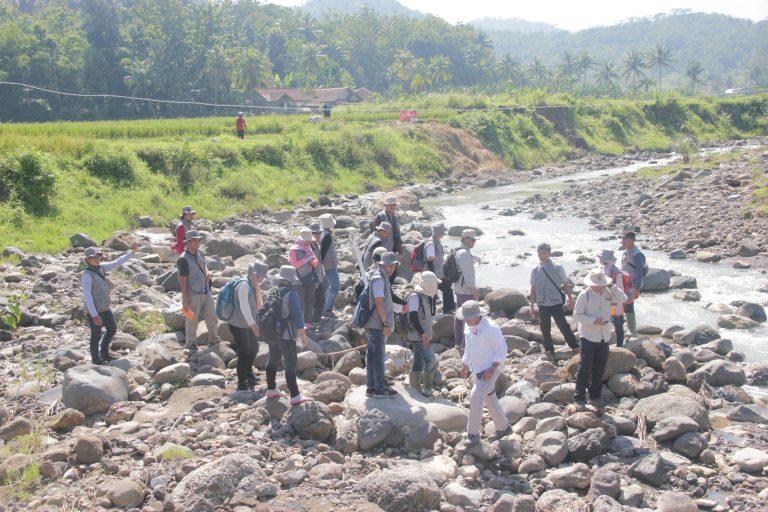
{"x":593,"y":314}
{"x":303,"y":258}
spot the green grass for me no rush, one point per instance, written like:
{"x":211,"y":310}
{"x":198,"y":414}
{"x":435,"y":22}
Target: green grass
{"x":18,"y":486}
{"x":141,"y":325}
{"x":110,"y":173}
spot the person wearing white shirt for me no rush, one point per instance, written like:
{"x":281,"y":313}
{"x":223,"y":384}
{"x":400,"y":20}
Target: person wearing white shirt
{"x":593,"y":314}
{"x":484,"y":354}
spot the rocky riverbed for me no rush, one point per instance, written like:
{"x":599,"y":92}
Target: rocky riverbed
{"x":156,"y":430}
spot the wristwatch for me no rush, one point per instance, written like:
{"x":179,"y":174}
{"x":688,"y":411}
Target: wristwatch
{"x":385,"y":324}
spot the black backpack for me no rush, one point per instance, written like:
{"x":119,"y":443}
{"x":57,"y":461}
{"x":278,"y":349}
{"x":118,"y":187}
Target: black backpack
{"x":270,"y":317}
{"x":451,"y":270}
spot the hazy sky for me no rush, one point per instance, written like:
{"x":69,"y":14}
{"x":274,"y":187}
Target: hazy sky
{"x":574,"y":15}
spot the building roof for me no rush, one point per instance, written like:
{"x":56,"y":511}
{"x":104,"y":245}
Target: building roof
{"x":314,"y":96}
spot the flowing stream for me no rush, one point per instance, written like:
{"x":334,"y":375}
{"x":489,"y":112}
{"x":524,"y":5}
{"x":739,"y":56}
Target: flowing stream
{"x":506,"y":261}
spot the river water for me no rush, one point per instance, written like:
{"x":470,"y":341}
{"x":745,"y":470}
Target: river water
{"x":506,"y":261}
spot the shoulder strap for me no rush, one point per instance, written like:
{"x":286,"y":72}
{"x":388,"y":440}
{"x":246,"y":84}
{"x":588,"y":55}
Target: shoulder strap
{"x":100,"y":274}
{"x":548,"y":277}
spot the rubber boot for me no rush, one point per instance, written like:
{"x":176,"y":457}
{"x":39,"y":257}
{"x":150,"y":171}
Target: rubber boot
{"x":414,"y":380}
{"x":632,"y":324}
{"x":426,"y":383}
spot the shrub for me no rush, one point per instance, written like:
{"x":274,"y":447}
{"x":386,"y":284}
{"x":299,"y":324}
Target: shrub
{"x":317,"y":149}
{"x":141,"y":325}
{"x":270,"y":154}
{"x":384,"y":157}
{"x":229,"y":156}
{"x":113,"y":166}
{"x":26,"y":177}
{"x":155,"y":158}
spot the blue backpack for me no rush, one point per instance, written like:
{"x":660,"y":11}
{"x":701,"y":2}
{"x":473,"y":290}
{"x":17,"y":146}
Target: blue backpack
{"x":225,"y":301}
{"x":362,"y":311}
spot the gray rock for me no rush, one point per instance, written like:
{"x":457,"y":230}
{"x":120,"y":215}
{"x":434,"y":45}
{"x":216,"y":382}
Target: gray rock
{"x":457,"y":494}
{"x":588,"y":444}
{"x":552,"y":447}
{"x":89,"y":449}
{"x":311,"y":419}
{"x":689,"y":444}
{"x":675,"y":502}
{"x":559,"y":500}
{"x":723,"y":373}
{"x":561,"y":394}
{"x":373,"y":427}
{"x":348,"y":362}
{"x":673,"y":369}
{"x":699,"y":335}
{"x":157,"y":356}
{"x":752,"y":311}
{"x":657,"y":407}
{"x":91,"y":389}
{"x":736,"y":322}
{"x":571,"y":477}
{"x":532,"y":463}
{"x":757,"y":374}
{"x":507,"y":299}
{"x":683,"y":282}
{"x":235,"y":477}
{"x":649,"y":469}
{"x":18,"y":427}
{"x":423,"y":436}
{"x":402,"y":490}
{"x":209,"y":379}
{"x":748,"y":248}
{"x":672,"y":426}
{"x":632,"y":495}
{"x":514,"y":408}
{"x":623,"y":384}
{"x":656,"y":280}
{"x":721,"y":346}
{"x":173,"y":374}
{"x":750,"y":460}
{"x":124,"y":493}
{"x":749,"y":413}
{"x":517,"y":503}
{"x":82,"y":240}
{"x":687,"y":295}
{"x":605,"y":483}
{"x":543,"y":410}
{"x":328,"y":391}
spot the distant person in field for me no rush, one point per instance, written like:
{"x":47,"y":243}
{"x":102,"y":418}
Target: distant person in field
{"x":185,"y":224}
{"x":98,"y":302}
{"x":240,"y":125}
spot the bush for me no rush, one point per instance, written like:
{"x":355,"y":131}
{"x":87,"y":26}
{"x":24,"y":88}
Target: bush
{"x":229,"y":156}
{"x":141,"y":325}
{"x":112,"y":166}
{"x":270,"y":154}
{"x":155,"y":158}
{"x":26,"y":178}
{"x":317,"y":149}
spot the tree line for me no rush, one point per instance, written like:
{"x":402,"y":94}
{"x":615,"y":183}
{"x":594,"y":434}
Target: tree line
{"x":220,"y":51}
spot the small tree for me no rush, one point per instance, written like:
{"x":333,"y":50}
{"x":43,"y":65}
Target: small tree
{"x":694,"y":72}
{"x":661,"y":57}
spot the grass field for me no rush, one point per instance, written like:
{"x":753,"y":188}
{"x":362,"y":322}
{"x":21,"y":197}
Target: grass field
{"x":57,"y":179}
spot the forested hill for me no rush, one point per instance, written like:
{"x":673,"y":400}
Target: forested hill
{"x":514,"y":25}
{"x":322,"y":8}
{"x":722,"y":44}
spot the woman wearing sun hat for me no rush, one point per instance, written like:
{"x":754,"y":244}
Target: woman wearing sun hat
{"x":184,"y":225}
{"x":593,"y":314}
{"x":421,"y":308}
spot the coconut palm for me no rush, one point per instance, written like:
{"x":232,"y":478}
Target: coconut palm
{"x":568,"y":66}
{"x":509,"y":68}
{"x":607,"y":74}
{"x":693,"y":71}
{"x":634,"y":64}
{"x":661,"y":57}
{"x":538,"y":71}
{"x":439,"y":70}
{"x":252,"y":70}
{"x":585,"y":62}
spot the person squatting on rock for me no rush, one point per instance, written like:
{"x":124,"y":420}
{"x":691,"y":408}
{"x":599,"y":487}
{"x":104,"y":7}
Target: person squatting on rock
{"x":484,"y":354}
{"x":389,"y":215}
{"x":379,"y":326}
{"x":434,"y":254}
{"x":330,"y":259}
{"x":548,"y":281}
{"x":608,"y":261}
{"x":466,"y":287}
{"x":421,"y":309}
{"x":248,"y":301}
{"x":196,"y":295}
{"x":98,"y":302}
{"x":319,"y":300}
{"x":184,"y":225}
{"x":303,"y":258}
{"x":291,"y":326}
{"x":633,"y":263}
{"x":593,"y":314}
{"x":374,"y":241}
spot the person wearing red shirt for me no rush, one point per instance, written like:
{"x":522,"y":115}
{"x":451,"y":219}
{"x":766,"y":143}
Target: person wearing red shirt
{"x":187,"y":216}
{"x":240,"y":125}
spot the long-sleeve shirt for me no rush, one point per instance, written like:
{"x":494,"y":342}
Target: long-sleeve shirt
{"x":591,"y":306}
{"x":467,"y":266}
{"x":300,"y":256}
{"x":86,"y":280}
{"x":181,"y":231}
{"x":483,"y":345}
{"x":617,"y":276}
{"x":633,"y":262}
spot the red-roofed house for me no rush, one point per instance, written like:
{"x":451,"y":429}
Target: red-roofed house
{"x":289,"y":100}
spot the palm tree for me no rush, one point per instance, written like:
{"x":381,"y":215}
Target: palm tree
{"x":568,"y":66}
{"x":633,"y":67}
{"x":538,"y":71}
{"x":509,"y":68}
{"x":646,"y":83}
{"x":252,"y":70}
{"x":439,"y":70}
{"x":585,"y":62}
{"x":607,"y":74}
{"x":694,"y":72}
{"x":661,"y":57}
{"x":402,"y":66}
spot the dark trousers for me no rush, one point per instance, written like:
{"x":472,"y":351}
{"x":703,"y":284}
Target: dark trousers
{"x":108,"y":319}
{"x":618,"y":324}
{"x":318,"y":303}
{"x":449,"y":304}
{"x":546,"y":314}
{"x":247,"y":347}
{"x":592,"y":361}
{"x":284,"y":351}
{"x":307,"y":293}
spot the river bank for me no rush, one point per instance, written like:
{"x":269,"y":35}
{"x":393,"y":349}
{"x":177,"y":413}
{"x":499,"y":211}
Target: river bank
{"x":167,"y":432}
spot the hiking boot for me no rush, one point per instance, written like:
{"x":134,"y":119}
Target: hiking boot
{"x":369,"y":392}
{"x":300,"y":399}
{"x":107,"y":357}
{"x":192,"y":349}
{"x":97,"y":361}
{"x":597,"y":402}
{"x":580,"y":403}
{"x":549,"y":356}
{"x":273,"y":393}
{"x":384,"y":393}
{"x":473,"y":440}
{"x":241,"y":386}
{"x":502,"y":433}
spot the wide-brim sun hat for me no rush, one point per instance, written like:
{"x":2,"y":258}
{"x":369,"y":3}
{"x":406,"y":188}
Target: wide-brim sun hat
{"x":92,"y":252}
{"x":315,"y":228}
{"x":288,"y":273}
{"x":379,"y":252}
{"x":607,"y":255}
{"x":427,"y":283}
{"x":187,"y":209}
{"x":596,"y":277}
{"x":469,"y":233}
{"x":259,"y":268}
{"x":391,"y":200}
{"x":306,"y":235}
{"x":327,"y":221}
{"x":191,"y":235}
{"x":469,"y":311}
{"x":386,"y":226}
{"x":389,"y":258}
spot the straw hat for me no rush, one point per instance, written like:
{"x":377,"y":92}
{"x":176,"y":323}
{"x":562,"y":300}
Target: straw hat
{"x":596,"y":277}
{"x":426,"y":283}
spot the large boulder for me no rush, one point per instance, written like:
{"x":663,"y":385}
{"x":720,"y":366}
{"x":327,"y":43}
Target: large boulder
{"x":507,"y":299}
{"x":82,"y":240}
{"x":402,"y":490}
{"x":311,"y":419}
{"x":237,"y":246}
{"x":588,"y":444}
{"x":234,"y":478}
{"x":409,"y":408}
{"x":698,"y":335}
{"x":665,"y":405}
{"x":671,"y":427}
{"x":722,"y":373}
{"x":736,"y":322}
{"x":649,"y":351}
{"x":91,"y":389}
{"x":373,"y":427}
{"x":750,"y":460}
{"x":657,"y":280}
{"x":752,"y":311}
{"x":552,"y":447}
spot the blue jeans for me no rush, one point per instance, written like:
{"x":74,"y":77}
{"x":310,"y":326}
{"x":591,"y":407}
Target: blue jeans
{"x":374,"y":359}
{"x":332,"y":281}
{"x":424,"y":359}
{"x":618,"y":324}
{"x":592,"y":361}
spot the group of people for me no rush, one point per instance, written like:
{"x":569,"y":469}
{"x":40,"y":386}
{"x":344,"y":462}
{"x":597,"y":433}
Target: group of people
{"x":307,"y":291}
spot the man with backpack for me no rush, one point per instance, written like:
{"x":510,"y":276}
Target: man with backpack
{"x":379,"y":326}
{"x":421,"y":309}
{"x":246,"y":303}
{"x":303,"y":258}
{"x":330,"y":260}
{"x":389,"y":215}
{"x":434,"y":254}
{"x":283,"y":307}
{"x":196,"y":297}
{"x":375,"y":240}
{"x":465,"y":286}
{"x":548,"y":282}
{"x":622,"y":282}
{"x":633,"y":263}
{"x":98,"y":302}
